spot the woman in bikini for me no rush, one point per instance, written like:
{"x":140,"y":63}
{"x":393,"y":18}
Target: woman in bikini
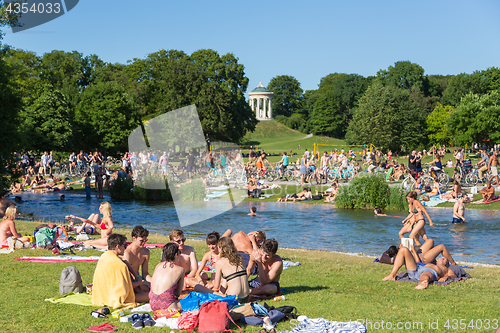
{"x":209,"y":260}
{"x":168,"y":281}
{"x":105,"y":225}
{"x":230,"y":274}
{"x":414,"y":223}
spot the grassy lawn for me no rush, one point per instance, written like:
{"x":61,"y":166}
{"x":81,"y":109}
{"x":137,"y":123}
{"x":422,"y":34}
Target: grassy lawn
{"x":330,"y":285}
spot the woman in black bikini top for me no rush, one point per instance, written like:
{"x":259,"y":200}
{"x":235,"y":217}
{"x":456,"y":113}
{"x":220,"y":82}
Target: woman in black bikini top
{"x":414,"y":223}
{"x":230,"y":268}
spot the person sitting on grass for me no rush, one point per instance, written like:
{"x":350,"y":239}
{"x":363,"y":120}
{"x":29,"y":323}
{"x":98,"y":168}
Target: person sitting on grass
{"x":270,"y":267}
{"x":112,"y":284}
{"x":246,"y":244}
{"x":425,"y":274}
{"x":488,"y":192}
{"x":186,"y":259}
{"x":230,"y":273}
{"x":168,"y":280}
{"x":138,"y":257}
{"x":105,"y":225}
{"x":209,"y":259}
{"x":8,"y":227}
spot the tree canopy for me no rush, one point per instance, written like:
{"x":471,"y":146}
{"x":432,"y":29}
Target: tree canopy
{"x":287,"y":95}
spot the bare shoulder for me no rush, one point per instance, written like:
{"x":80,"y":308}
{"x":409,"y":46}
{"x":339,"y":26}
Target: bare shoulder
{"x":187,"y":250}
{"x":145,"y":251}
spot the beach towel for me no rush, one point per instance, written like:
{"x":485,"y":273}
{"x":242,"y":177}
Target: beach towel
{"x":482,"y":202}
{"x":71,"y":298}
{"x":459,"y":272}
{"x":216,"y":194}
{"x":287,"y":264}
{"x":194,"y":299}
{"x":304,"y":324}
{"x":112,"y":283}
{"x":52,"y":259}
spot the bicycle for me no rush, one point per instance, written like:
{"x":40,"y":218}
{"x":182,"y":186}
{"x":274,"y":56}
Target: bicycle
{"x":472,"y":178}
{"x":442,"y":176}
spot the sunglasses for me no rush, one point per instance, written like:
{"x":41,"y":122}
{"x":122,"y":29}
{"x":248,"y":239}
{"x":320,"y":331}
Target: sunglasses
{"x":180,"y":241}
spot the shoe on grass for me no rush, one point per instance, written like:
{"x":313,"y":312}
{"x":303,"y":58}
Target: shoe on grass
{"x":147,"y":320}
{"x":137,"y":321}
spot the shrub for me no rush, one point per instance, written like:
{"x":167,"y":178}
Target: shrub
{"x":369,"y":191}
{"x":121,"y":189}
{"x":144,"y":189}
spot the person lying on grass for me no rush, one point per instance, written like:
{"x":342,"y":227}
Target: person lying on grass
{"x":270,"y":268}
{"x":425,"y":274}
{"x":246,"y":244}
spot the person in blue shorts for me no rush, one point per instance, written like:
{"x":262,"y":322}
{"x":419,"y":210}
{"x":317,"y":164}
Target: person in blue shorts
{"x":459,"y":209}
{"x":425,"y":274}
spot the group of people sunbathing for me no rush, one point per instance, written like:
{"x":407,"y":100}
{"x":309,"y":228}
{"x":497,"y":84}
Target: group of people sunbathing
{"x":408,"y":256}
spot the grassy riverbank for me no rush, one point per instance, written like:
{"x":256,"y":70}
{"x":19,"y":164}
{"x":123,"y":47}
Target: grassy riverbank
{"x":330,"y":285}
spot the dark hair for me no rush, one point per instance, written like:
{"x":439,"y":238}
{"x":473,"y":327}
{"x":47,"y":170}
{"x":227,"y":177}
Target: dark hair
{"x":116,"y":240}
{"x":88,"y":174}
{"x":169,"y":251}
{"x":270,"y":246}
{"x":213,"y":238}
{"x":392,"y":251}
{"x":140,"y":231}
{"x":378,"y":210}
{"x":412,"y":195}
{"x":253,"y":209}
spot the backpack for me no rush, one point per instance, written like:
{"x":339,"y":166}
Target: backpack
{"x":290,"y":312}
{"x":256,"y":193}
{"x":71,"y":281}
{"x":213,"y":317}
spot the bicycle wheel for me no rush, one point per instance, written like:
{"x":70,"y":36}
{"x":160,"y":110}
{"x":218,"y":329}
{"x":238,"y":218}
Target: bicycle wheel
{"x":63,"y":170}
{"x":472,"y":179}
{"x":426,"y":181}
{"x":288,"y":175}
{"x":271,"y":175}
{"x":408,"y":183}
{"x":330,"y":176}
{"x":347,"y":175}
{"x":443,"y":179}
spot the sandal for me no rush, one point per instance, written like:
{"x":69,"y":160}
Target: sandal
{"x":147,"y":320}
{"x":106,"y":327}
{"x":137,"y":321}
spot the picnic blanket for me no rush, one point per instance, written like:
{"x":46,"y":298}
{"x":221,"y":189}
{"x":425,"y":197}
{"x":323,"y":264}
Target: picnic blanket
{"x":58,"y":259}
{"x":459,"y":272}
{"x":307,"y":325}
{"x":72,"y":298}
{"x":216,"y":194}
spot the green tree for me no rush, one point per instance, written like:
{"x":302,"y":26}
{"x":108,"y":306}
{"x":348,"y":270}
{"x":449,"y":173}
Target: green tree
{"x":104,"y":118}
{"x":389,"y":117}
{"x":476,"y":119}
{"x":46,"y":122}
{"x":10,"y":104}
{"x":288,"y":95}
{"x":63,"y":70}
{"x":436,"y":124}
{"x":26,"y":69}
{"x":326,"y":118}
{"x":405,"y":74}
{"x":461,"y":85}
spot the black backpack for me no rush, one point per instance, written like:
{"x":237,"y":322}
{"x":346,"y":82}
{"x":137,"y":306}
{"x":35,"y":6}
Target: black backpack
{"x":290,"y":312}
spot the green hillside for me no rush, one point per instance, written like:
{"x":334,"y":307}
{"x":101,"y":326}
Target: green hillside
{"x":276,"y":137}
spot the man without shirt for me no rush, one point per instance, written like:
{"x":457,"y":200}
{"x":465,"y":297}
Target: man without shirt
{"x":488,"y":192}
{"x":246,"y":244}
{"x":425,"y":274}
{"x":187,"y":258}
{"x":270,"y":268}
{"x":493,"y":167}
{"x":459,"y":210}
{"x":138,"y":257}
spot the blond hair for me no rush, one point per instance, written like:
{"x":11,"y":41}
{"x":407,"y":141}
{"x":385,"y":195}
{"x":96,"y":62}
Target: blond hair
{"x":175,"y":233}
{"x":10,"y":212}
{"x":107,"y":211}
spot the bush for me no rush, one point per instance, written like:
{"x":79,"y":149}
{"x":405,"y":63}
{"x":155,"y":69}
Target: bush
{"x":121,"y":189}
{"x":145,"y":192}
{"x":193,"y":191}
{"x":370,"y":191}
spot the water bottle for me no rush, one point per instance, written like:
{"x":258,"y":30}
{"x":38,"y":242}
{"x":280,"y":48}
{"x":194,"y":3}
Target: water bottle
{"x":278,"y":298}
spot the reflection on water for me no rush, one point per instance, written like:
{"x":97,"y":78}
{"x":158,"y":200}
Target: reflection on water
{"x":293,"y":225}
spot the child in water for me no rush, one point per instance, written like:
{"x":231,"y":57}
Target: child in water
{"x":253,"y":211}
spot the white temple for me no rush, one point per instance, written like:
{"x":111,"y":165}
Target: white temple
{"x":261,"y":102}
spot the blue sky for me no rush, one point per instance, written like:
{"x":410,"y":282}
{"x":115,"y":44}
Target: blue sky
{"x":307,"y":40}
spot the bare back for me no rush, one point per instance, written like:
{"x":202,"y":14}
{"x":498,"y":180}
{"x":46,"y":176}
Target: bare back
{"x":165,"y":276}
{"x":235,"y":286}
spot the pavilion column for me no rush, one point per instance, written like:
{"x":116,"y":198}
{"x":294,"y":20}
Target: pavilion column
{"x":270,"y":108}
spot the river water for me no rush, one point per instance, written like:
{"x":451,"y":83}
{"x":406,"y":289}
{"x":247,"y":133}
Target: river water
{"x":292,"y":225}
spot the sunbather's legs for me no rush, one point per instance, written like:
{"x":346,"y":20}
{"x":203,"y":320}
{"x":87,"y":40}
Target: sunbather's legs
{"x":425,"y":279}
{"x":101,"y":243}
{"x":433,"y":253}
{"x":404,"y":257}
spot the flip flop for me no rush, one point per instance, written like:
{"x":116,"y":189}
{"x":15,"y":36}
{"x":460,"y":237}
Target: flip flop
{"x":106,"y":327}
